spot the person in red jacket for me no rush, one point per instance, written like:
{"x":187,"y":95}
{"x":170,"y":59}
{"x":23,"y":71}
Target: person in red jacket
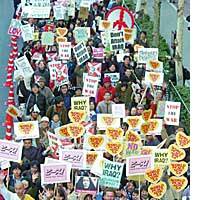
{"x":107,"y":87}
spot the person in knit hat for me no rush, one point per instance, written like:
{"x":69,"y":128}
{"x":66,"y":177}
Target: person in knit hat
{"x":107,"y":87}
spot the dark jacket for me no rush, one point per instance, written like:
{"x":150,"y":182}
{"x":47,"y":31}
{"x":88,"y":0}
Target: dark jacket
{"x":32,"y":99}
{"x":43,"y":73}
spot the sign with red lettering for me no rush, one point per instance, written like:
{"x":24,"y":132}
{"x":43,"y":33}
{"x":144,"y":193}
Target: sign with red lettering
{"x":172,"y":113}
{"x":64,"y":50}
{"x":90,"y":86}
{"x":120,"y":17}
{"x":15,"y":27}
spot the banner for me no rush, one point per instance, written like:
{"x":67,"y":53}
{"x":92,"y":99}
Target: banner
{"x":10,"y":151}
{"x":117,"y":40}
{"x":55,"y":173}
{"x":172,"y":113}
{"x":81,"y":53}
{"x":160,"y":112}
{"x":118,"y":110}
{"x":26,"y":130}
{"x":80,"y":103}
{"x":76,"y":157}
{"x":146,"y":54}
{"x":161,"y":157}
{"x":94,"y":69}
{"x":90,"y":86}
{"x":107,"y":120}
{"x":81,"y":34}
{"x":112,"y":173}
{"x":98,"y":53}
{"x":64,"y":50}
{"x":137,"y":165}
{"x":85,"y":184}
{"x":154,"y":78}
{"x":27,"y":32}
{"x":15,"y":27}
{"x":24,"y":66}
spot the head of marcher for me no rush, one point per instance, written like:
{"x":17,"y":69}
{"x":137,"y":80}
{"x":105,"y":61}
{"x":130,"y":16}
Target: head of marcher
{"x":107,"y":82}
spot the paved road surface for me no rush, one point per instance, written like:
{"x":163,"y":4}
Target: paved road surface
{"x":6,"y":12}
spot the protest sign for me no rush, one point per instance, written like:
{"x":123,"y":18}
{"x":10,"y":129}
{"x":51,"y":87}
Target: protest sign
{"x":146,"y":54}
{"x":114,"y":77}
{"x":53,"y":139}
{"x":24,"y":66}
{"x":154,"y":78}
{"x":80,"y":103}
{"x":81,"y":53}
{"x":76,"y":157}
{"x":62,"y":132}
{"x":47,"y":38}
{"x":94,"y":69}
{"x":37,"y":56}
{"x":137,"y":165}
{"x":130,"y":35}
{"x":105,"y":25}
{"x":71,"y":8}
{"x":131,"y":149}
{"x":13,"y":111}
{"x":83,"y":13}
{"x":117,"y":40}
{"x":105,"y":37}
{"x":112,"y":173}
{"x":154,"y":65}
{"x":4,"y":164}
{"x":155,"y":126}
{"x":64,"y":50}
{"x":172,"y":113}
{"x":161,"y":157}
{"x":118,"y":110}
{"x":81,"y":34}
{"x":107,"y":120}
{"x":160,"y":111}
{"x":26,"y":130}
{"x":59,"y":12}
{"x":15,"y":27}
{"x":85,"y":3}
{"x":27,"y":32}
{"x":90,"y":86}
{"x":97,"y":142}
{"x":134,"y":122}
{"x":11,"y":151}
{"x":91,"y":156}
{"x":120,"y":56}
{"x":85,"y":184}
{"x":55,"y":173}
{"x":98,"y":53}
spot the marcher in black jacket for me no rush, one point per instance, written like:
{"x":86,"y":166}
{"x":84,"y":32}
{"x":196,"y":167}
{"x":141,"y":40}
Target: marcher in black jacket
{"x":33,"y":97}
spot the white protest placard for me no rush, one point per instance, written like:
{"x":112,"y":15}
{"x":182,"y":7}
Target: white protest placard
{"x":154,"y":78}
{"x":80,"y":103}
{"x":114,"y":77}
{"x":105,"y":25}
{"x":4,"y":164}
{"x":172,"y":113}
{"x":64,"y":50}
{"x":118,"y":110}
{"x":10,"y":151}
{"x":155,"y":126}
{"x":120,"y":56}
{"x":107,"y":120}
{"x":146,"y":54}
{"x":105,"y":38}
{"x":81,"y":53}
{"x":15,"y":27}
{"x":59,"y":12}
{"x":130,"y":35}
{"x":134,"y":122}
{"x":91,"y":157}
{"x":112,"y":173}
{"x":40,"y":3}
{"x":71,"y":8}
{"x":117,"y":40}
{"x":161,"y":157}
{"x":90,"y":86}
{"x":26,"y":130}
{"x":154,"y":65}
{"x":94,"y":69}
{"x":85,"y":3}
{"x":81,"y":34}
{"x":55,"y":173}
{"x":27,"y":32}
{"x":137,"y":165}
{"x":24,"y":66}
{"x":47,"y":38}
{"x":76,"y":157}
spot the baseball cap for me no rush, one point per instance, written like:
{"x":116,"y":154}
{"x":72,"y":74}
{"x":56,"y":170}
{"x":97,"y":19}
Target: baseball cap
{"x":107,"y":79}
{"x":44,"y":119}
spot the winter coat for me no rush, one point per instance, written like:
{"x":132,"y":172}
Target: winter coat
{"x":41,"y":73}
{"x":102,"y":90}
